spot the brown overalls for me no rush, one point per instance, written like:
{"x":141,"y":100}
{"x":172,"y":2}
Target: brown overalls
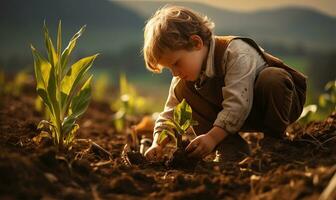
{"x":278,"y":100}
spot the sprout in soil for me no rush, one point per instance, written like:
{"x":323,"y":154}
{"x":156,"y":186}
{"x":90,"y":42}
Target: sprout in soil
{"x":179,"y":125}
{"x":129,"y":104}
{"x":64,"y":89}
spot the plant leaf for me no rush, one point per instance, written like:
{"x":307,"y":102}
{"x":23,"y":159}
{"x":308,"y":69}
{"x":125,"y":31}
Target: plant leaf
{"x":59,"y":40}
{"x":43,"y":134}
{"x":76,"y":72}
{"x":78,"y":106}
{"x":174,"y":126}
{"x":164,"y":134}
{"x":307,"y":110}
{"x":72,"y":81}
{"x":67,"y":51}
{"x":45,"y":79}
{"x":80,"y":102}
{"x":70,"y":136}
{"x":68,"y":123}
{"x":53,"y":58}
{"x":182,"y":113}
{"x":186,"y":125}
{"x":323,"y":99}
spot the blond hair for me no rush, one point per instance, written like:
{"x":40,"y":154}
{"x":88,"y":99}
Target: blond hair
{"x":170,"y":28}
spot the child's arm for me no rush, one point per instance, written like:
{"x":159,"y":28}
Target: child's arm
{"x":163,"y":143}
{"x":241,"y":66}
{"x":155,"y":151}
{"x":168,"y":112}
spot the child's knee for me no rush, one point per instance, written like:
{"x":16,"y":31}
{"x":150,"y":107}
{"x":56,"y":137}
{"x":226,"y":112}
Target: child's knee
{"x":274,"y":79}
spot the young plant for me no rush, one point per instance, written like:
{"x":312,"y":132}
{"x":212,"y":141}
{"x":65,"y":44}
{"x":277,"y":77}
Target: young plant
{"x":64,"y":89}
{"x":15,"y":86}
{"x":326,"y":105}
{"x":128,"y":104}
{"x":100,"y":88}
{"x":179,"y":125}
{"x":327,"y":100}
{"x":129,"y":100}
{"x":307,"y":113}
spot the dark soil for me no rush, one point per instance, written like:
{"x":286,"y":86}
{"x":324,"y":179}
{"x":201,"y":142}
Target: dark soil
{"x":181,"y":160}
{"x":284,"y":169}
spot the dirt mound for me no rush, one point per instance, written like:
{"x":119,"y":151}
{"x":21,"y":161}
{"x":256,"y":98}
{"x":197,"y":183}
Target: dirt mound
{"x":298,"y":169}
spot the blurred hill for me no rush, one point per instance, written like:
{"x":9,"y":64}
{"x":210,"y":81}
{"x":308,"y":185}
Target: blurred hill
{"x":114,"y":29}
{"x":109,"y":25}
{"x":290,"y":26}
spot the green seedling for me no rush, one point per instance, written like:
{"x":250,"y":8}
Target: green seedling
{"x":40,"y":107}
{"x":327,"y":100}
{"x":179,"y":125}
{"x":15,"y":86}
{"x":326,"y":105}
{"x":307,"y":113}
{"x":64,"y":89}
{"x":128,"y":104}
{"x":129,"y":100}
{"x":20,"y":79}
{"x":100,"y":88}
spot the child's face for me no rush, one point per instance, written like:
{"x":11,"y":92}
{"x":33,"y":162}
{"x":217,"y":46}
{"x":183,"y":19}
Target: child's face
{"x":186,"y":64}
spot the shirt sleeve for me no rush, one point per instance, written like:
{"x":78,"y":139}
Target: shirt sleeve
{"x":240,"y":64}
{"x":168,"y":111}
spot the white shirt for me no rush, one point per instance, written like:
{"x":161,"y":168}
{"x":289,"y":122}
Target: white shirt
{"x":241,"y":63}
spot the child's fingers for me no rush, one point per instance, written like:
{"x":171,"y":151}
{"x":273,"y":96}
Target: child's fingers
{"x":149,"y":154}
{"x":153,"y":154}
{"x":197,"y":152}
{"x":158,"y":154}
{"x":192,"y":146}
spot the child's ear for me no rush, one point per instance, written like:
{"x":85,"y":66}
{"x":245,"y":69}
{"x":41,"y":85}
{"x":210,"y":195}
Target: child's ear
{"x":196,"y":42}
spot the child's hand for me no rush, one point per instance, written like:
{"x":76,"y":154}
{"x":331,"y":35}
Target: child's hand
{"x":201,"y":146}
{"x":204,"y":144}
{"x":154,"y":153}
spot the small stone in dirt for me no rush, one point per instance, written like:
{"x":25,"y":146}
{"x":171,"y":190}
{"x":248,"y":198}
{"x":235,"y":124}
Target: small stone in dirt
{"x":51,"y":177}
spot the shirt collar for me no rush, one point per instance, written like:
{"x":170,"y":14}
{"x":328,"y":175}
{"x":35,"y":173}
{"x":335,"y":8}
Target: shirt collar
{"x":208,"y":69}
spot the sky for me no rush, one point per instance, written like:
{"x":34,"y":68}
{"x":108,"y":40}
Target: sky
{"x":325,"y":6}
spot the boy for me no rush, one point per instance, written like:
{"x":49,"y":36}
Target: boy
{"x":230,"y":83}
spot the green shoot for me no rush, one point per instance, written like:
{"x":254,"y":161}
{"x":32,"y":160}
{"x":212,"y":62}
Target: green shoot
{"x":327,"y":100}
{"x":307,"y":113}
{"x":128,"y":104}
{"x":179,"y":125}
{"x":326,"y":105}
{"x":64,"y":89}
{"x":100,"y":88}
{"x":15,"y":86}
